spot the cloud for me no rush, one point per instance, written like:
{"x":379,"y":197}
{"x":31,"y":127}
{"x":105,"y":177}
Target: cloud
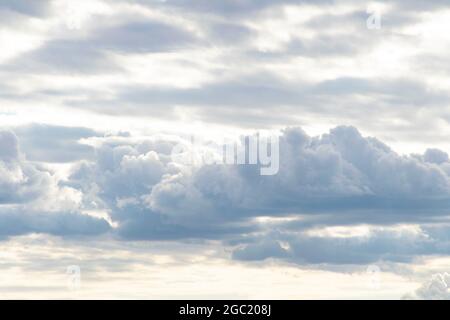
{"x":123,"y":176}
{"x":315,"y":60}
{"x":436,"y":288}
{"x":19,"y":182}
{"x":257,"y":64}
{"x":73,"y":56}
{"x":241,"y":8}
{"x":48,"y":143}
{"x":35,"y":8}
{"x":229,"y":8}
{"x":31,"y":199}
{"x":254,"y":100}
{"x":392,"y":244}
{"x":337,"y":179}
{"x":338,"y":172}
{"x":141,"y":37}
{"x":260,"y":251}
{"x":10,"y":149}
{"x":90,"y":53}
{"x":415,"y":5}
{"x":65,"y":224}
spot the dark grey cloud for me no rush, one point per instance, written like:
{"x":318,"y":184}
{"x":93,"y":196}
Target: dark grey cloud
{"x":137,"y":223}
{"x":379,"y":246}
{"x":19,"y":222}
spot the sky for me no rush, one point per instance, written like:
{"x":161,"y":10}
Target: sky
{"x":108,"y":109}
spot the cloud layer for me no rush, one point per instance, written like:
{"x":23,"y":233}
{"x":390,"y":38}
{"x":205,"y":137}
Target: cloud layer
{"x":94,"y":98}
{"x":313,"y":63}
{"x":436,"y":288}
{"x":32,"y":199}
{"x":338,"y":180}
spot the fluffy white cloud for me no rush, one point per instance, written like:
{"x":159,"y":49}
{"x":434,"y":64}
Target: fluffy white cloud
{"x":436,"y":288}
{"x":19,"y":181}
{"x":32,"y":199}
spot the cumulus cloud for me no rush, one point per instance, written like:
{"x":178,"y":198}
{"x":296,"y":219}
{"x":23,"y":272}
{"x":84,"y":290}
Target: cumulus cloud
{"x":436,"y":288}
{"x":337,"y":179}
{"x":340,"y":171}
{"x":19,"y":182}
{"x":32,"y":200}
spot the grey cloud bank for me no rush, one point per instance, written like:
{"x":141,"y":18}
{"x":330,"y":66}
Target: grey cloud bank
{"x":338,"y":179}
